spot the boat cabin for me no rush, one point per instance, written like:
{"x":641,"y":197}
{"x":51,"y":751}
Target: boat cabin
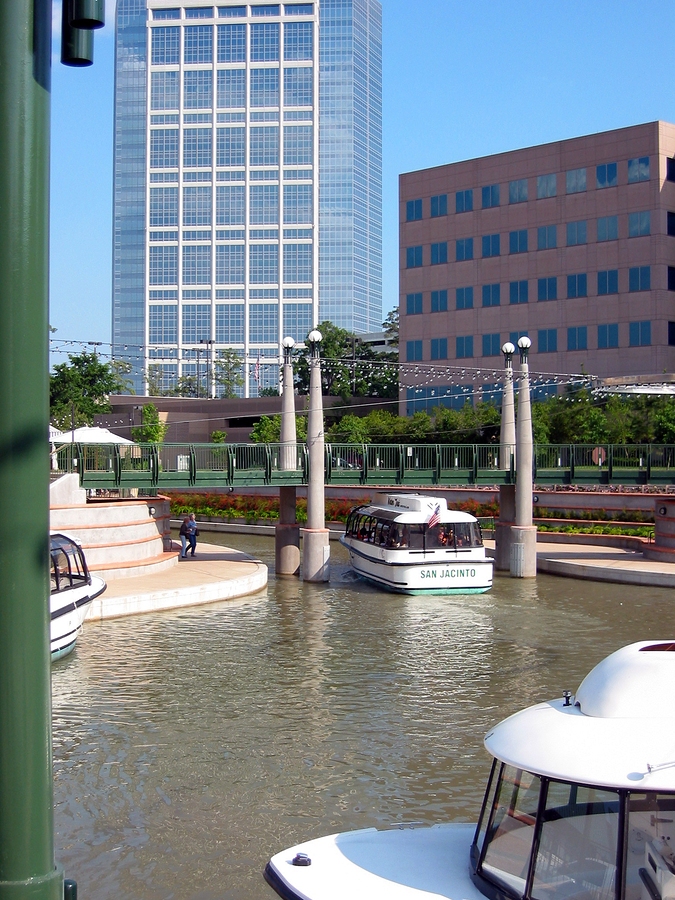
{"x":591,"y":836}
{"x":68,"y":568}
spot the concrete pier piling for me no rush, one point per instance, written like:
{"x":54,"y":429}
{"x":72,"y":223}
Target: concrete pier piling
{"x":315,"y":537}
{"x":523,"y":555}
{"x":287,"y":532}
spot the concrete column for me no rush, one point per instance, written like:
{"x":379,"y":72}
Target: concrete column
{"x":524,"y":533}
{"x":287,"y":532}
{"x":315,"y":545}
{"x":507,"y":437}
{"x":503,"y":527}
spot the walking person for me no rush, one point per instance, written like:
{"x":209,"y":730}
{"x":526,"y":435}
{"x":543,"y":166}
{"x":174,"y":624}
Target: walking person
{"x":184,"y":536}
{"x":193,"y":532}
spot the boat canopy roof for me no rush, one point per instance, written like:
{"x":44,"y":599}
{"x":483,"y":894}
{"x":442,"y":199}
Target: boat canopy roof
{"x":411,"y":508}
{"x":617,"y":731}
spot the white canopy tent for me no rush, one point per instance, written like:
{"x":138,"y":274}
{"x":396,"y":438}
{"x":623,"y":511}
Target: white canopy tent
{"x":90,"y":434}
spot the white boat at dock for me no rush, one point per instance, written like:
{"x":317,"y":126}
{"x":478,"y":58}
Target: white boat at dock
{"x":414,"y":544}
{"x":72,"y":590}
{"x":580,"y":805}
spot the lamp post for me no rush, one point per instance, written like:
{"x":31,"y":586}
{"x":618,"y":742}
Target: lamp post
{"x":209,"y":366}
{"x":287,"y":532}
{"x":507,"y":447}
{"x":315,"y":547}
{"x":524,"y":533}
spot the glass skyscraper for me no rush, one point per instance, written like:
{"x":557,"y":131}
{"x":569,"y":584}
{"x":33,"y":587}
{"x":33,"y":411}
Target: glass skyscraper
{"x":247,"y":195}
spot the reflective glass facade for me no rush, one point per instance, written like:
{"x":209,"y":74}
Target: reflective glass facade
{"x":217,"y":161}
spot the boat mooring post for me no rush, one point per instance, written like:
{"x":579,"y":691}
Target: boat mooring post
{"x":27,"y":867}
{"x":287,"y":532}
{"x":524,"y":533}
{"x":315,"y":537}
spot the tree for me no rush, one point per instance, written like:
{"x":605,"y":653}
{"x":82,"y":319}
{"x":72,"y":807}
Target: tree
{"x":122,"y":368}
{"x":390,"y":326}
{"x":79,"y":390}
{"x":152,"y":430}
{"x":267,"y":429}
{"x":350,"y":429}
{"x":218,"y":437}
{"x":228,"y":373}
{"x":154,"y":376}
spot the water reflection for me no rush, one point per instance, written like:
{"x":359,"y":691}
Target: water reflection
{"x":190,"y":746}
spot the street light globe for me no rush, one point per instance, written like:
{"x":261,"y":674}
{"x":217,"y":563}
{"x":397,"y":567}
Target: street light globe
{"x":508,"y":349}
{"x":288,"y":343}
{"x":524,"y":342}
{"x":315,"y":337}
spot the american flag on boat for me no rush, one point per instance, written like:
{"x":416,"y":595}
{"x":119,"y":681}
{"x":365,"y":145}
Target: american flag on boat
{"x":435,"y":517}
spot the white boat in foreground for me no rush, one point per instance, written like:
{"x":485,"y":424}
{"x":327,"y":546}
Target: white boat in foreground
{"x":414,"y":544}
{"x":580,"y":803}
{"x":73,"y":588}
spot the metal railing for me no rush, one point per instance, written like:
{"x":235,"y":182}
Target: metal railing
{"x":156,"y":466}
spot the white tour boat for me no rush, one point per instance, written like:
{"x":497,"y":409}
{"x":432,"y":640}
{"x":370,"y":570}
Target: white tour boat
{"x":580,"y":805}
{"x":73,"y":588}
{"x":414,"y":544}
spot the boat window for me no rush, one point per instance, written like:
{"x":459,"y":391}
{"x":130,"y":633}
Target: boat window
{"x":76,"y":565}
{"x":416,"y":536}
{"x":578,"y":844}
{"x":650,"y":861}
{"x":463,"y":535}
{"x":509,"y":840}
{"x":61,"y":569}
{"x":441,"y":537}
{"x":476,"y":535}
{"x":488,"y":803}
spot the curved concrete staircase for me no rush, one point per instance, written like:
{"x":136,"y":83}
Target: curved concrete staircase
{"x":120,"y":538}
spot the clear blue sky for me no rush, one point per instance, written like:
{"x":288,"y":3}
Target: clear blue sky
{"x":460,"y":79}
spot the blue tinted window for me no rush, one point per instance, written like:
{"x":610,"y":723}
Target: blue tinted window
{"x":464,"y":298}
{"x":163,"y":210}
{"x":230,"y":264}
{"x":298,"y":86}
{"x":264,"y":87}
{"x":518,"y":191}
{"x":576,"y":233}
{"x":231,"y":43}
{"x":413,"y":210}
{"x":606,"y":175}
{"x":298,"y":263}
{"x":575,"y":181}
{"x":413,"y":257}
{"x":608,"y":282}
{"x":518,"y":292}
{"x":439,"y":301}
{"x":490,"y":244}
{"x":546,"y":186}
{"x":197,"y":147}
{"x":263,"y":264}
{"x":164,"y":148}
{"x":264,"y":204}
{"x":463,"y":249}
{"x":165,"y":46}
{"x":268,"y":10}
{"x":639,"y":223}
{"x":608,"y":228}
{"x":164,"y":90}
{"x":265,"y":42}
{"x":464,"y":201}
{"x":166,"y":14}
{"x":198,"y":44}
{"x":577,"y":286}
{"x":439,"y":205}
{"x":230,"y":323}
{"x":231,"y":88}
{"x":608,"y":336}
{"x":163,"y":324}
{"x":518,"y":241}
{"x":439,"y":253}
{"x":231,"y":147}
{"x":196,"y":264}
{"x":230,"y":204}
{"x":413,"y":351}
{"x":638,"y":169}
{"x":547,"y":340}
{"x":198,"y":89}
{"x":491,"y":345}
{"x":547,"y":237}
{"x":547,"y":288}
{"x":490,"y":196}
{"x":413,"y":306}
{"x":439,"y":348}
{"x":577,"y":338}
{"x":464,"y":347}
{"x":196,"y":206}
{"x":199,"y":12}
{"x":491,"y":295}
{"x":298,"y":41}
{"x":298,"y":145}
{"x":231,"y":12}
{"x":639,"y":278}
{"x":640,"y":334}
{"x":265,"y":145}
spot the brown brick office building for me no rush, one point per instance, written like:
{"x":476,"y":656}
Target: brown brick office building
{"x":572,"y":243}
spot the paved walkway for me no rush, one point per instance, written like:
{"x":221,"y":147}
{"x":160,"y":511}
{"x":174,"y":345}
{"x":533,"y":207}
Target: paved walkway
{"x":601,"y":564}
{"x":215,"y":573}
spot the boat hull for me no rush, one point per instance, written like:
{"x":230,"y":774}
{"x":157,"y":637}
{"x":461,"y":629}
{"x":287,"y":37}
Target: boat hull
{"x":396,"y":864}
{"x":68,"y":610}
{"x":434,"y":574}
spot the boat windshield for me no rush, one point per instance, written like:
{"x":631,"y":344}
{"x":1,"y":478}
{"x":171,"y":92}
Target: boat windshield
{"x":384,"y":532}
{"x":67,"y":566}
{"x":552,"y":840}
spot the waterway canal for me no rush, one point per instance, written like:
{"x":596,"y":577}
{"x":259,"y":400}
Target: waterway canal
{"x":190,"y":746}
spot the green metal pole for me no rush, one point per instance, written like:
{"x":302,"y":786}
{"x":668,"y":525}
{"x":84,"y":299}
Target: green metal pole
{"x":27,"y":868}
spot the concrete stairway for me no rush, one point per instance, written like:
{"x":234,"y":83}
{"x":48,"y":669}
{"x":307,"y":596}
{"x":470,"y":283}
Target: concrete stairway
{"x":120,"y":538}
